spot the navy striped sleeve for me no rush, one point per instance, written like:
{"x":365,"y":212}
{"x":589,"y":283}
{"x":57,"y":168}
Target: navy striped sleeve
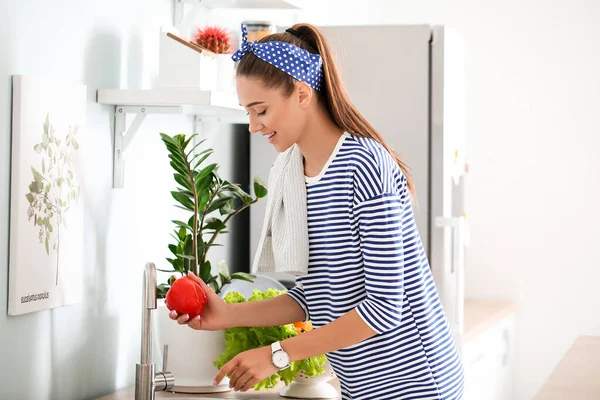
{"x":379,"y":221}
{"x":297,"y":293}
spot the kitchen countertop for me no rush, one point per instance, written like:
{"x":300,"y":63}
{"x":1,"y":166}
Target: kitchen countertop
{"x":479,"y":316}
{"x":577,"y":375}
{"x":129,"y":393}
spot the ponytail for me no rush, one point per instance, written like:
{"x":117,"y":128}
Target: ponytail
{"x":332,"y":93}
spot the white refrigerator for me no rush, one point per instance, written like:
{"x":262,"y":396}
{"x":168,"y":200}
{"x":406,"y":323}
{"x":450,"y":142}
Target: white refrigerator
{"x":409,"y":82}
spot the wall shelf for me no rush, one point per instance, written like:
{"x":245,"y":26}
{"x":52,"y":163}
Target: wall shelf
{"x":203,"y":104}
{"x":182,"y":19}
{"x":273,"y":4}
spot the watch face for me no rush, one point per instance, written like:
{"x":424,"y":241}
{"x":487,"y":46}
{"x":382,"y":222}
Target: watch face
{"x":281,"y":359}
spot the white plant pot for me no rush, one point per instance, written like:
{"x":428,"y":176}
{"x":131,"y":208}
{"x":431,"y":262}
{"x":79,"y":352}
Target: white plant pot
{"x":182,"y":67}
{"x":190,"y":353}
{"x":312,"y":387}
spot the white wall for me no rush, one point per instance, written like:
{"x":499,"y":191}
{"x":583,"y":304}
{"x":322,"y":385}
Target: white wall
{"x":534,"y":188}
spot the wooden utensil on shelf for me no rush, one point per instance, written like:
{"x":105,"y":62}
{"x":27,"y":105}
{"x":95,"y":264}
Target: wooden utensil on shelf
{"x":191,"y":45}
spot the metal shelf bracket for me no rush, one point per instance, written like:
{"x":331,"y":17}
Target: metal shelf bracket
{"x":124,"y":135}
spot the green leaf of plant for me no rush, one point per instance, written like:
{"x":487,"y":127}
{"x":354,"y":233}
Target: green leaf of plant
{"x":201,"y":247}
{"x":166,"y":138}
{"x":173,"y":148}
{"x":36,"y":175}
{"x":191,"y":151}
{"x":243,"y":276}
{"x":183,"y":200}
{"x":224,"y":280}
{"x":46,"y":123}
{"x":191,"y":258}
{"x":183,"y":225}
{"x":260,"y":190}
{"x":183,"y":181}
{"x":181,"y":234}
{"x":38,"y":148}
{"x":161,"y":290}
{"x":179,"y":265}
{"x":47,"y":246}
{"x":29,"y":197}
{"x":74,"y":143}
{"x":173,"y":249}
{"x":240,"y":193}
{"x":188,"y":140}
{"x":179,"y":168}
{"x":215,"y":287}
{"x":166,"y":270}
{"x":215,"y":224}
{"x":202,"y":200}
{"x":51,"y":133}
{"x":206,"y":171}
{"x":203,"y":157}
{"x":227,"y":208}
{"x":43,"y":166}
{"x":205,"y":271}
{"x":177,"y":156}
{"x":216,"y":204}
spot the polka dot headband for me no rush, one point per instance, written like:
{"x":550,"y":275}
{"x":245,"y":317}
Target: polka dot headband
{"x":292,"y":60}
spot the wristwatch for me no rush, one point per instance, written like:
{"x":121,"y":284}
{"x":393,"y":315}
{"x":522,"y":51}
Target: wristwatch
{"x":279,"y":357}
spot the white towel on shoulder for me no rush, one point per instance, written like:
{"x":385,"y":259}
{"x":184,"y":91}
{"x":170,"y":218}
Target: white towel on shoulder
{"x":283,"y":245}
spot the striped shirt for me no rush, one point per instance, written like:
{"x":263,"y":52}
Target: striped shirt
{"x":365,"y":253}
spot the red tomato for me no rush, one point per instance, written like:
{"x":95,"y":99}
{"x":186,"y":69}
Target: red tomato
{"x":186,"y":297}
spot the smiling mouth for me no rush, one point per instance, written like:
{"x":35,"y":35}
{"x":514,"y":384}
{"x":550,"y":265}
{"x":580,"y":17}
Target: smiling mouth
{"x":270,"y":135}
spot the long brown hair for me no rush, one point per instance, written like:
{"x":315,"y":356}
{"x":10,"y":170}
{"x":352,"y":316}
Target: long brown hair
{"x":332,"y":93}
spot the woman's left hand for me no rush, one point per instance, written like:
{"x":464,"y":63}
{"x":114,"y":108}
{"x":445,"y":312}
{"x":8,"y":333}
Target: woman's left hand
{"x":247,"y":369}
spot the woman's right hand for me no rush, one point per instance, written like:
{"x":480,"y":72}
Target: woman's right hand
{"x":216,"y":311}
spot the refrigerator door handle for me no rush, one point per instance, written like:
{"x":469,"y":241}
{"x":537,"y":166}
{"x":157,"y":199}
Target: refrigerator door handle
{"x":457,"y":266}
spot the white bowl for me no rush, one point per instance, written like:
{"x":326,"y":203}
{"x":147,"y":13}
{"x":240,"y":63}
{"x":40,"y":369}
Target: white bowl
{"x":312,"y":387}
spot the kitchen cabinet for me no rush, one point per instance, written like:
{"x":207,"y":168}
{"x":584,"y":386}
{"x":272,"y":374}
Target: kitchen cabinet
{"x":488,"y":357}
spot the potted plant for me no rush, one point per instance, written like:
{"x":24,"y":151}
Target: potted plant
{"x":218,"y":40}
{"x":212,"y":202}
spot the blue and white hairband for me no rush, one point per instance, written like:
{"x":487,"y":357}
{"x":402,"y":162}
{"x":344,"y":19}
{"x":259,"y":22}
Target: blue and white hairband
{"x":294,"y":61}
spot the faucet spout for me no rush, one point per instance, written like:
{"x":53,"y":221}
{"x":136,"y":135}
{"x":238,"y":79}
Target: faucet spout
{"x":146,"y":380}
{"x":149,"y":304}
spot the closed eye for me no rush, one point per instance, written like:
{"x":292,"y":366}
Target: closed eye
{"x":260,"y":114}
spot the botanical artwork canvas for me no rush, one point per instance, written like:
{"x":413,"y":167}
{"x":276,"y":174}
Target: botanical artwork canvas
{"x":46,"y":218}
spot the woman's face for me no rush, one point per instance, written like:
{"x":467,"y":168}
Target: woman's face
{"x":278,"y":118}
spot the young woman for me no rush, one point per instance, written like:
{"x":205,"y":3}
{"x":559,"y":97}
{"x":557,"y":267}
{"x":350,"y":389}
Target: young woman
{"x":368,"y":288}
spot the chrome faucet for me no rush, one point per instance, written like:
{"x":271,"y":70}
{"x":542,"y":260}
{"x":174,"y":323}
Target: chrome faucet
{"x":147,"y":382}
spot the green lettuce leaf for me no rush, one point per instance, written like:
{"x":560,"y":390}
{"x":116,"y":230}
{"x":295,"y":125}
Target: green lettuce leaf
{"x":240,"y":339}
